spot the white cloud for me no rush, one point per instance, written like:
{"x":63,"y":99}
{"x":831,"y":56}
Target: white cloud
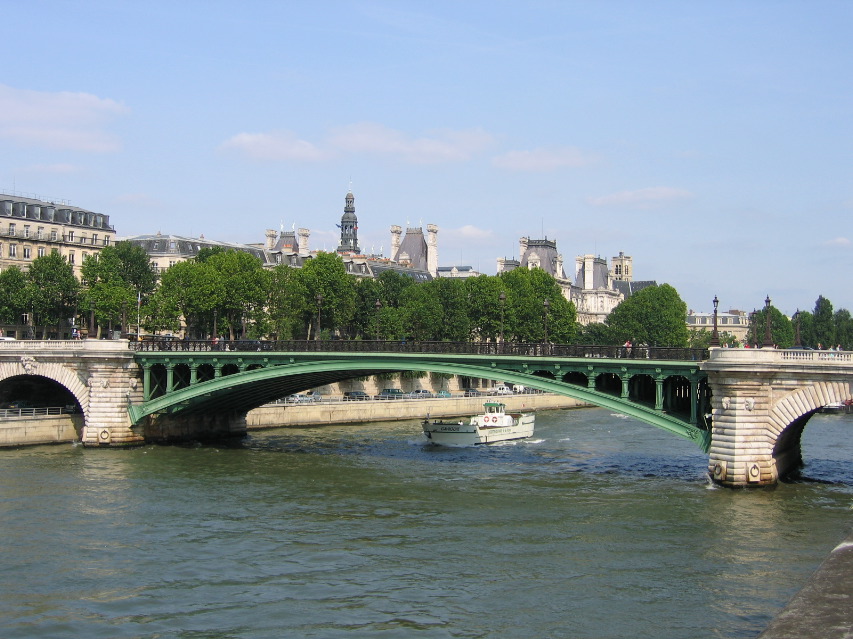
{"x":543,"y":159}
{"x":275,"y":146}
{"x":438,"y":146}
{"x":838,"y":241}
{"x":60,"y":120}
{"x":470,"y":232}
{"x":365,"y":137}
{"x":642,"y":198}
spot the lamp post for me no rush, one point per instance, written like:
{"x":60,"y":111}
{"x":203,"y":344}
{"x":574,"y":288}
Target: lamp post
{"x":92,"y":320}
{"x":319,"y":299}
{"x":215,"y":333}
{"x":798,"y":341}
{"x":547,"y":306}
{"x":378,"y":307}
{"x":715,"y":336}
{"x":502,"y":299}
{"x":768,"y":338}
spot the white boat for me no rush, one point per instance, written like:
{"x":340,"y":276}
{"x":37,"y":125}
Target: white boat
{"x":494,"y":425}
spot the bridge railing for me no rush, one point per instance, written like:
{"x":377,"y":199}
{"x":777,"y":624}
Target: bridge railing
{"x":455,"y":348}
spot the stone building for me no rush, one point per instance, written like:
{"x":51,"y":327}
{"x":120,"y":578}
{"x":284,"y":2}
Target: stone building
{"x":595,"y":289}
{"x":31,"y":228}
{"x":167,"y":250}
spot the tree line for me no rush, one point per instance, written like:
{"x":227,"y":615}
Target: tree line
{"x":230,"y":294}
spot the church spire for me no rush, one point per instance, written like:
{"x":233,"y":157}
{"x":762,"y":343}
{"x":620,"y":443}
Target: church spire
{"x":349,"y":227}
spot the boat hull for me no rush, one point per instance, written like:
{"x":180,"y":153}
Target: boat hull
{"x":473,"y":434}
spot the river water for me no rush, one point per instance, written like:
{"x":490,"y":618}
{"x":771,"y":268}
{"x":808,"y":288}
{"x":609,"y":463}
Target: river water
{"x":598,"y":526}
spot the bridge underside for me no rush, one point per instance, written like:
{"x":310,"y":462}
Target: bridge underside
{"x":668,"y":395}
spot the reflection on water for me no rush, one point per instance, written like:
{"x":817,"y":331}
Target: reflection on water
{"x":598,"y":526}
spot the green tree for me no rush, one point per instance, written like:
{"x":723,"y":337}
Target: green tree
{"x":486,"y":313}
{"x":655,"y":315}
{"x":325,"y":275}
{"x":243,"y":286}
{"x":13,"y":295}
{"x":452,"y":298}
{"x":844,"y":329}
{"x":824,"y":323}
{"x":52,"y":290}
{"x":422,"y":313}
{"x":781,"y":328}
{"x":527,"y":315}
{"x":188,"y":290}
{"x":286,"y":303}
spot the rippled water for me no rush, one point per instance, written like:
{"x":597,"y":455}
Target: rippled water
{"x":598,"y":526}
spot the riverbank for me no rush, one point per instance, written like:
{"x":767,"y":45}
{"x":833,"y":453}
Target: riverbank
{"x":338,"y":412}
{"x":823,"y":609}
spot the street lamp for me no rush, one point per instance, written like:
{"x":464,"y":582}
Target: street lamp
{"x":319,"y":299}
{"x":378,"y":306}
{"x":215,"y":333}
{"x":798,"y":342}
{"x":502,"y":299}
{"x":91,"y":319}
{"x":768,"y":338}
{"x":547,"y":306}
{"x":715,"y":336}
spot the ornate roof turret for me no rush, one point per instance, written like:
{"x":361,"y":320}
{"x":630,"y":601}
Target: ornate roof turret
{"x":349,"y":227}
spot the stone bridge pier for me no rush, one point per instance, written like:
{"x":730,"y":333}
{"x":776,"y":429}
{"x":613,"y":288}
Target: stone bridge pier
{"x":762,"y":400}
{"x":105,"y":379}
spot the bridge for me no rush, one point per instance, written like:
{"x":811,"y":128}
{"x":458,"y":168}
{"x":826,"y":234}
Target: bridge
{"x":746,"y":408}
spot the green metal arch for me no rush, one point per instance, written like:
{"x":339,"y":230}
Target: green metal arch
{"x":199,"y":394}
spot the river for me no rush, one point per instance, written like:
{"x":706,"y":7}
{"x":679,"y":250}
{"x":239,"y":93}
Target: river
{"x":599,"y":526}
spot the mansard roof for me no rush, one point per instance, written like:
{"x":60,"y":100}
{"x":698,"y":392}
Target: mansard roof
{"x":629,"y":288}
{"x":26,"y":208}
{"x":187,"y":247}
{"x":543,"y":253}
{"x":414,"y":245}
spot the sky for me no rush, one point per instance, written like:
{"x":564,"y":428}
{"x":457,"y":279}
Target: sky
{"x":711,"y":141}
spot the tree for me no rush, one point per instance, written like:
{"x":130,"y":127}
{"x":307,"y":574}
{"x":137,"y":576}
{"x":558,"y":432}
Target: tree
{"x":487,"y":315}
{"x":243,"y":284}
{"x":325,"y":275}
{"x":188,"y":290}
{"x":117,"y":279}
{"x":781,"y":328}
{"x":654,"y":315}
{"x":527,"y":316}
{"x":823,"y":324}
{"x":52,"y":290}
{"x":286,"y":303}
{"x":13,"y":300}
{"x":422,"y":313}
{"x":844,"y":329}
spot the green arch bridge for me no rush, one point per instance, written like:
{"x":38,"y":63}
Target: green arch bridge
{"x":664,"y":387}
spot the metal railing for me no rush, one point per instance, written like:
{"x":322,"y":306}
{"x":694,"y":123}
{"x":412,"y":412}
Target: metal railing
{"x":450,"y":348}
{"x":37,"y":412}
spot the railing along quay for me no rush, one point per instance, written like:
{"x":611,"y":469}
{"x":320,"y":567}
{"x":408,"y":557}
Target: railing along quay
{"x":450,"y":348}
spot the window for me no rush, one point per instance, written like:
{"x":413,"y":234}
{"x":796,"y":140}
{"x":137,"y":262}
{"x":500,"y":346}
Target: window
{"x":41,"y":251}
{"x":11,"y":229}
{"x":70,"y":236}
{"x":28,"y":253}
{"x":106,"y":240}
{"x":13,"y":250}
{"x":94,"y":239}
{"x":71,"y":257}
{"x":26,"y":230}
{"x":52,"y":235}
{"x":40,"y":233}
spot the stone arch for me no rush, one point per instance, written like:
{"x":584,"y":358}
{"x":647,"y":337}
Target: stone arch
{"x":789,"y":416}
{"x":62,"y":375}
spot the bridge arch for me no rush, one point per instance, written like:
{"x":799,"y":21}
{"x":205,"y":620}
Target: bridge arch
{"x":791,"y":414}
{"x":245,"y":390}
{"x":65,"y":377}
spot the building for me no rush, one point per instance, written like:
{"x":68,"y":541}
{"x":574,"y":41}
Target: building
{"x":595,"y":290}
{"x":734,"y":322}
{"x":167,"y":250}
{"x":32,"y":228}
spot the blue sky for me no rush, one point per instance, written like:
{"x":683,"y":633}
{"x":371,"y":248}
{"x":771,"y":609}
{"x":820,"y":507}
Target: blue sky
{"x":711,"y":141}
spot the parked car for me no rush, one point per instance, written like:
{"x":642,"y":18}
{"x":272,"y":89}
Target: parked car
{"x":519,"y":388}
{"x":390,"y":393}
{"x":419,"y":393}
{"x":299,"y":399}
{"x":472,"y":392}
{"x":314,"y":396}
{"x":355,"y":396}
{"x":501,"y":389}
{"x":443,"y":393}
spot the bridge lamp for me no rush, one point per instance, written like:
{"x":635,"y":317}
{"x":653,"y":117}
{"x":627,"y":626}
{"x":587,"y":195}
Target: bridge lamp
{"x":502,"y":298}
{"x":215,"y":334}
{"x":798,"y":343}
{"x":378,"y":306}
{"x":715,"y":336}
{"x":768,"y":338}
{"x":319,"y":299}
{"x":91,"y":318}
{"x":547,"y":305}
